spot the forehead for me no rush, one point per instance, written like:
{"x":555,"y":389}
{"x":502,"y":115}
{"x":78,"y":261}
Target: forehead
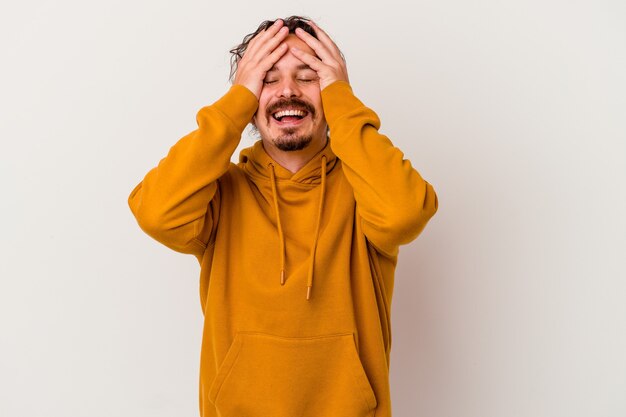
{"x":289,"y":60}
{"x":293,"y":40}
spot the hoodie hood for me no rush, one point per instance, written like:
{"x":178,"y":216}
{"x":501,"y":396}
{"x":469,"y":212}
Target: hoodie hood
{"x":255,"y":161}
{"x":267,"y":174}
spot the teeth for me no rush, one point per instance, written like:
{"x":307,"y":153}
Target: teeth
{"x":283,"y":113}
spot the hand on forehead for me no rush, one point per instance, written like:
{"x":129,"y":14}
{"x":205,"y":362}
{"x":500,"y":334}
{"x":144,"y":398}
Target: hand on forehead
{"x":293,"y":41}
{"x":326,"y":58}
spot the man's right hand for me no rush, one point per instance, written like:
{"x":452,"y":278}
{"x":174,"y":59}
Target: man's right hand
{"x":263,"y":51}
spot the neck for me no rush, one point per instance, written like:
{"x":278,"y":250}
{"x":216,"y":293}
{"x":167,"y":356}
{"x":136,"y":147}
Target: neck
{"x":293,"y":161}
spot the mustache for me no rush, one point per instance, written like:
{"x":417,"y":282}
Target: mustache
{"x":292,"y":103}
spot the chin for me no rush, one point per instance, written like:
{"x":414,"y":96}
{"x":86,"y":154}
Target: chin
{"x":291,"y":144}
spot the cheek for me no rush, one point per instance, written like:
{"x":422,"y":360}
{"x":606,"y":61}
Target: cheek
{"x":258,"y":122}
{"x":260,"y":112}
{"x":264,"y":96}
{"x":314,"y":98}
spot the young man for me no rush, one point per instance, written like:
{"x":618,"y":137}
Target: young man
{"x":297,"y":242}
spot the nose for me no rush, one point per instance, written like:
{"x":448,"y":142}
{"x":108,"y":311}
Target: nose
{"x":288,"y":88}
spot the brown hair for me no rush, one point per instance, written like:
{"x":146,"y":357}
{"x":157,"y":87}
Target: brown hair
{"x":292,"y":22}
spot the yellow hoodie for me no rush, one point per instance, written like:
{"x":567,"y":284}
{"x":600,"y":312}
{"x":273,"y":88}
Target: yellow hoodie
{"x":297,"y":270}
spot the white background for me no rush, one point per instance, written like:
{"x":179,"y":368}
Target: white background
{"x":510,"y":304}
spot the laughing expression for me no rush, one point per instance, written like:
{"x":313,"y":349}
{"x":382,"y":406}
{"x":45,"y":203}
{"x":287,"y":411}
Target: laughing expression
{"x":290,"y":114}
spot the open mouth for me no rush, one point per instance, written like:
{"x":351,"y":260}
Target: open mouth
{"x":291,"y":116}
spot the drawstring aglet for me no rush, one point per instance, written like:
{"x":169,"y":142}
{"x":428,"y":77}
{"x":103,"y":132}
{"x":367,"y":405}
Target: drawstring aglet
{"x":308,"y":292}
{"x":282,"y":277}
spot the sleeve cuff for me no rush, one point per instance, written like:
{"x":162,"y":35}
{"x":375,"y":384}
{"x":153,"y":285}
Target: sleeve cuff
{"x":338,"y":100}
{"x":238,"y":104}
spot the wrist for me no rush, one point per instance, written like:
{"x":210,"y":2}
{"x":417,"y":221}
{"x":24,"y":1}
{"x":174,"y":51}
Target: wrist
{"x":250,"y":87}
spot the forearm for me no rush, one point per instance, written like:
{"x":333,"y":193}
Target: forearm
{"x":172,"y":203}
{"x":393,"y":200}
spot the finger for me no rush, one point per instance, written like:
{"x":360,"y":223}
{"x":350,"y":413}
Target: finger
{"x":325,"y":39}
{"x":267,"y":34}
{"x":274,"y":27}
{"x":312,"y":61}
{"x":265,"y":47}
{"x":319,"y":48}
{"x":320,"y":32}
{"x":268,"y":62}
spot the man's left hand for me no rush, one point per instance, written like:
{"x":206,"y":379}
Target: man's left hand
{"x":329,"y":64}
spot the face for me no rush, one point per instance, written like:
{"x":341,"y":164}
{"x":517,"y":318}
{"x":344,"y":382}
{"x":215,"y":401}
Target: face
{"x":290,"y":114}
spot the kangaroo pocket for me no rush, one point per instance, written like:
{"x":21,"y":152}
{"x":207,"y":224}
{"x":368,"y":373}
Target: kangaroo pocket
{"x":264,"y":375}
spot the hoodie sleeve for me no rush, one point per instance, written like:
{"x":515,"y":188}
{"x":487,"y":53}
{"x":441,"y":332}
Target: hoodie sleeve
{"x":393,"y":201}
{"x":177,"y":203}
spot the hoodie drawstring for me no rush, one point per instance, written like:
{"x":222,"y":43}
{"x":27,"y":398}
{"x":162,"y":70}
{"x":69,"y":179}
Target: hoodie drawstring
{"x":281,"y":236}
{"x":309,"y":283}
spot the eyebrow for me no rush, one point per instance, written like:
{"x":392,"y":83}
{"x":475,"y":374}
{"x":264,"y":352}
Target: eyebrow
{"x":299,"y":68}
